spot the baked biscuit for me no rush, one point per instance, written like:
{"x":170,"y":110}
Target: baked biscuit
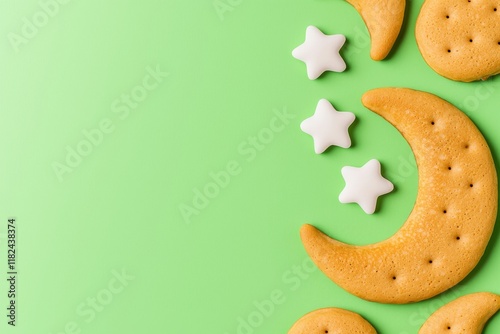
{"x":451,"y":223}
{"x":460,"y":40}
{"x":467,"y":314}
{"x":383,"y":18}
{"x":332,"y":321}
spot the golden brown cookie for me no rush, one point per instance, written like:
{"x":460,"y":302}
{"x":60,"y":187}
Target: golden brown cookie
{"x":467,"y":314}
{"x":332,"y":321}
{"x":451,"y":223}
{"x":383,"y":18}
{"x":460,"y":40}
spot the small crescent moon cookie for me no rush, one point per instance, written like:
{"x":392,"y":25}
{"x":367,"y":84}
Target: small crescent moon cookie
{"x":383,"y":18}
{"x":467,"y":314}
{"x":460,"y":40}
{"x":332,"y":321}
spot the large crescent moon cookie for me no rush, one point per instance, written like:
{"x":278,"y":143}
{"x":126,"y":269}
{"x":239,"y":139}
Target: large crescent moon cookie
{"x":460,"y":40}
{"x":383,"y":18}
{"x":332,"y":321}
{"x":451,"y":223}
{"x":467,"y":314}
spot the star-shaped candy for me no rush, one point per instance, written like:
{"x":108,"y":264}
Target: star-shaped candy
{"x":364,"y":185}
{"x":328,"y":127}
{"x":320,"y":52}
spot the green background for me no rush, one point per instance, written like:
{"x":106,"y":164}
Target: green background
{"x":120,"y":208}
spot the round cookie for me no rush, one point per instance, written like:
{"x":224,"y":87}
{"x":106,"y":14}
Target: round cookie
{"x":460,"y":40}
{"x":332,"y":321}
{"x":467,"y":314}
{"x":383,"y":18}
{"x":451,"y":223}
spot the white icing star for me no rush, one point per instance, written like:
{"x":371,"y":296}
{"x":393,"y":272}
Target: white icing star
{"x":328,"y":127}
{"x":364,"y":185}
{"x":320,"y":52}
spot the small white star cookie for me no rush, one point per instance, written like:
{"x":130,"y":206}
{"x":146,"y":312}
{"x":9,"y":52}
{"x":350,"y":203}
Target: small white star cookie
{"x":320,"y":52}
{"x":364,"y":185}
{"x":328,"y":127}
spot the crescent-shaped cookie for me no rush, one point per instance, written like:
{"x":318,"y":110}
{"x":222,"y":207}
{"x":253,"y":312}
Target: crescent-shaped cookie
{"x":332,"y":321}
{"x":383,"y":18}
{"x":451,"y":223}
{"x":467,"y":314}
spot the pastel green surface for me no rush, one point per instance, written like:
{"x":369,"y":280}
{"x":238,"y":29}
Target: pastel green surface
{"x":117,"y":212}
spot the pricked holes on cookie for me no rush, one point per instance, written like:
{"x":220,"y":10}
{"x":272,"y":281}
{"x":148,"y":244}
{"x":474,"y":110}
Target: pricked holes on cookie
{"x":434,"y":123}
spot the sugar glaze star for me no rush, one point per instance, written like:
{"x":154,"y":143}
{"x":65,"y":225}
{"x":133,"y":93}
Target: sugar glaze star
{"x":320,"y":52}
{"x":364,"y":185}
{"x":328,"y":127}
